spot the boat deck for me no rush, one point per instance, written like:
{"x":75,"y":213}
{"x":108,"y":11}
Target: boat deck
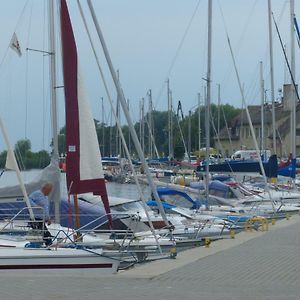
{"x":254,"y":265}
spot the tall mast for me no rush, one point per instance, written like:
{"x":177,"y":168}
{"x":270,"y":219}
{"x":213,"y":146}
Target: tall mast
{"x":171,"y":124}
{"x":219,"y":104}
{"x":127,"y":114}
{"x":199,"y":124}
{"x":143,"y":125}
{"x":110,"y":135}
{"x":140,"y":129}
{"x":221,"y":150}
{"x":208,"y":94}
{"x":262,"y":95}
{"x":103,"y":128}
{"x":293,"y":71}
{"x":129,"y":137}
{"x":118,"y":146}
{"x":150,"y":125}
{"x":55,"y":154}
{"x":272,"y":76}
{"x":169,"y":119}
{"x":189,"y":136}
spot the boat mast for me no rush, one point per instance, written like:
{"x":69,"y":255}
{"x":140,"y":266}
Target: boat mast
{"x":199,"y":124}
{"x":118,"y":142}
{"x":126,"y":149}
{"x":143,"y":125}
{"x":55,"y":153}
{"x":293,"y":71}
{"x":140,"y":127}
{"x":127,"y":115}
{"x":208,"y":95}
{"x":170,"y":125}
{"x":150,"y":125}
{"x":129,"y":138}
{"x":189,"y":136}
{"x":272,"y":76}
{"x":103,"y":128}
{"x":262,"y":95}
{"x":219,"y":107}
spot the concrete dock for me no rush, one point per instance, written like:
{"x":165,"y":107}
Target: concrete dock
{"x":254,"y":265}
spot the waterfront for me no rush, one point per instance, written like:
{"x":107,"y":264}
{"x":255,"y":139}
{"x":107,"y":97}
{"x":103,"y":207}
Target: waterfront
{"x":264,"y":266}
{"x":113,"y":189}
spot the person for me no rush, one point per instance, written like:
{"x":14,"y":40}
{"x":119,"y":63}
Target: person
{"x":40,"y":203}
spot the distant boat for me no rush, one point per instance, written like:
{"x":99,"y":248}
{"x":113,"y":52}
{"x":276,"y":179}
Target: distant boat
{"x":243,"y":166}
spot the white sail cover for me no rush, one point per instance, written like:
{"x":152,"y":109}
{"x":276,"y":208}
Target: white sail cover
{"x":90,"y":156}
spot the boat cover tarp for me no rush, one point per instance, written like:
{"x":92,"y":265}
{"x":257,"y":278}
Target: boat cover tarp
{"x":50,"y":174}
{"x":218,"y":186}
{"x":162,"y":191}
{"x":88,"y":212}
{"x":289,"y":171}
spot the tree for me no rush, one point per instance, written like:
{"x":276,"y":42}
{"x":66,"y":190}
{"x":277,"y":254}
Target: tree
{"x":160,"y":132}
{"x":22,"y":146}
{"x":3,"y":155}
{"x":61,"y":144}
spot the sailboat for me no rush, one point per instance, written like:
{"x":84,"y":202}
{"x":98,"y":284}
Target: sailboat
{"x":84,"y":174}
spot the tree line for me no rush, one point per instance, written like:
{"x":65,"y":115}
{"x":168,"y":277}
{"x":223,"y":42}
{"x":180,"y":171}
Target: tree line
{"x":109,"y":141}
{"x":108,"y":135}
{"x":26,"y":158}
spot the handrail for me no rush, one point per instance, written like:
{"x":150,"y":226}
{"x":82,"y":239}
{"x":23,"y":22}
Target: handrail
{"x":10,"y":221}
{"x":81,"y":229}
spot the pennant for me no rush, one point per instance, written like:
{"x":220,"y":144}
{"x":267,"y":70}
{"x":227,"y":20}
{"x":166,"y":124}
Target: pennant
{"x":15,"y":45}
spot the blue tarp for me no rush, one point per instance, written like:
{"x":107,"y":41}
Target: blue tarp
{"x":289,"y":171}
{"x":222,"y":177}
{"x":88,"y":212}
{"x":165,"y":205}
{"x":218,"y":186}
{"x":168,"y":191}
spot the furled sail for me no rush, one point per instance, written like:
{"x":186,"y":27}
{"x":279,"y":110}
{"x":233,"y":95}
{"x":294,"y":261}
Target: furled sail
{"x":83,"y":159}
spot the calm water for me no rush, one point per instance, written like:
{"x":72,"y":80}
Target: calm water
{"x":114,"y":189}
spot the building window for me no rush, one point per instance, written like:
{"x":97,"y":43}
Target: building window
{"x":257,"y":132}
{"x":248,"y":132}
{"x":297,"y":131}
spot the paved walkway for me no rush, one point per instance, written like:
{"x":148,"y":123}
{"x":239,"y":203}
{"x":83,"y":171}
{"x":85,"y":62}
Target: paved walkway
{"x":255,"y":265}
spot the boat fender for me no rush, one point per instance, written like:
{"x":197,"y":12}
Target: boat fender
{"x":33,"y":245}
{"x":173,"y":252}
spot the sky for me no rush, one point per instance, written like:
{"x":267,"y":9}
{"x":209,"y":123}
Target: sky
{"x":149,"y":42}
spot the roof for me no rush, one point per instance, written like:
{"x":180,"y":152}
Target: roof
{"x":255,"y":114}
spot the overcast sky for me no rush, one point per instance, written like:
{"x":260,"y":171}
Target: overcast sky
{"x":149,"y":41}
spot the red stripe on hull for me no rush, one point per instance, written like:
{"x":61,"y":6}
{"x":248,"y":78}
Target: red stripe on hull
{"x":55,"y":266}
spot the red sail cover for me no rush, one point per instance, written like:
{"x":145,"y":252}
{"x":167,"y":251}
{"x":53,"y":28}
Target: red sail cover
{"x":83,"y":159}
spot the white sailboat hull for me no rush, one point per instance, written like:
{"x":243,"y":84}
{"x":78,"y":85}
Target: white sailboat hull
{"x":58,"y":262}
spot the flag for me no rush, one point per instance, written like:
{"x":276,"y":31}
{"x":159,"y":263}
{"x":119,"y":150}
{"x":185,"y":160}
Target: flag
{"x":14,"y":44}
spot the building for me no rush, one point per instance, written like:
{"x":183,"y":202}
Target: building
{"x":237,"y":134}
